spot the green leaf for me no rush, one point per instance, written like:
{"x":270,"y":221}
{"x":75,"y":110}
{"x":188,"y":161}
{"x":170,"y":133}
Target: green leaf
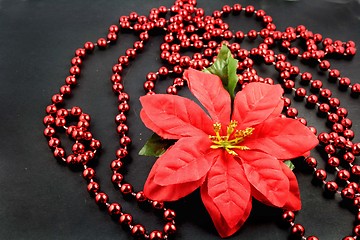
{"x":155,"y":146}
{"x":225,"y":67}
{"x":289,"y":164}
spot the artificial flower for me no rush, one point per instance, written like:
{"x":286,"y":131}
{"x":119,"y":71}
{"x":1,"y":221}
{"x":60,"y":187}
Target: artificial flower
{"x":231,"y":154}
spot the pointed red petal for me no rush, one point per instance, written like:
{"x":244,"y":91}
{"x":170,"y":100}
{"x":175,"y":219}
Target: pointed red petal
{"x":220,"y":223}
{"x":265,"y":174}
{"x":155,"y":128}
{"x":228,"y":188}
{"x":174,"y":115}
{"x":187,"y":161}
{"x":208,"y":89}
{"x":170,"y":192}
{"x":256,"y":103}
{"x":283,"y":138}
{"x":293,"y":202}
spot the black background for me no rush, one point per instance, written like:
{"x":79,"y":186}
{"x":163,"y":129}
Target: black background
{"x":41,"y":199}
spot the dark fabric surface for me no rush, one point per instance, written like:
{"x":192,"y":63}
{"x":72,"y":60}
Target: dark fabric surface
{"x":41,"y":199}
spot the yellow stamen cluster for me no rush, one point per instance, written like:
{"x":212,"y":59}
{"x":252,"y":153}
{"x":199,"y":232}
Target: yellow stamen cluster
{"x":232,"y":139}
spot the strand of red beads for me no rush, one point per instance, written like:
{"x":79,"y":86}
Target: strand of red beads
{"x":189,"y":28}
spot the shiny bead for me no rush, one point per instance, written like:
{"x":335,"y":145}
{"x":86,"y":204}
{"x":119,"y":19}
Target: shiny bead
{"x":75,"y":70}
{"x":158,"y":205}
{"x":312,"y":238}
{"x":140,"y":197}
{"x":334,"y":102}
{"x":138,"y":231}
{"x":288,"y":216}
{"x":89,"y":46}
{"x":348,"y":238}
{"x":125,"y":140}
{"x":316,"y":85}
{"x":330,"y":149}
{"x":355,"y":170}
{"x":156,"y":235}
{"x":348,"y":193}
{"x":114,"y":209}
{"x":171,"y":90}
{"x":334,"y":161}
{"x":93,"y":187}
{"x":49,"y":132}
{"x":70,"y":80}
{"x":355,"y":149}
{"x":169,"y":215}
{"x":149,"y":85}
{"x":102,"y":43}
{"x":78,"y":148}
{"x":126,"y":189}
{"x":116,"y":165}
{"x":292,"y":112}
{"x":126,"y":219}
{"x":355,"y":89}
{"x":122,"y":128}
{"x":121,"y":153}
{"x":120,"y":118}
{"x":117,"y":178}
{"x":57,"y":99}
{"x":357,"y":230}
{"x":170,"y":228}
{"x":95,"y":144}
{"x":311,"y":162}
{"x":298,"y":230}
{"x":101,"y":198}
{"x":59,"y":152}
{"x":123,"y":107}
{"x":65,"y":90}
{"x":320,"y":174}
{"x":88,"y":173}
{"x":343,"y":174}
{"x":331,"y":186}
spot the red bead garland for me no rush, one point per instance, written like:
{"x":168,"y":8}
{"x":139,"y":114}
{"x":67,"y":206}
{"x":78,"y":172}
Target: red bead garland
{"x":189,"y":28}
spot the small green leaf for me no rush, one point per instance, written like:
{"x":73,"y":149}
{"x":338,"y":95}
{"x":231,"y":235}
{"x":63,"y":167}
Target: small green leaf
{"x":225,"y":67}
{"x":155,"y":146}
{"x":290,"y":164}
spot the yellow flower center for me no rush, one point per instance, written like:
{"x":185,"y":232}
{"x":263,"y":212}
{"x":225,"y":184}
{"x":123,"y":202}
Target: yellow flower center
{"x":232,"y":139}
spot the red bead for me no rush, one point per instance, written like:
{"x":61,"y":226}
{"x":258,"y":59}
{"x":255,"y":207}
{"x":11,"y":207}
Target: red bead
{"x":78,"y":148}
{"x":125,"y":140}
{"x":114,"y":209}
{"x":158,"y":205}
{"x":88,"y":173}
{"x":348,"y":193}
{"x":59,"y":152}
{"x":355,"y":149}
{"x":93,"y":187}
{"x":311,"y":162}
{"x":57,"y":99}
{"x":334,"y":161}
{"x":117,"y":178}
{"x":156,"y":235}
{"x":149,"y":85}
{"x":331,"y":186}
{"x":126,"y":189}
{"x":320,"y":174}
{"x":288,"y":216}
{"x":75,"y":70}
{"x":355,"y":170}
{"x":298,"y":230}
{"x":101,"y":198}
{"x":89,"y":46}
{"x":122,"y":128}
{"x":121,"y":153}
{"x":348,"y":238}
{"x":49,"y":132}
{"x":102,"y":43}
{"x":169,"y":215}
{"x":357,"y":230}
{"x":123,"y":107}
{"x":126,"y":219}
{"x":140,"y":197}
{"x":170,"y":228}
{"x":312,"y":238}
{"x":343,"y":174}
{"x":138,"y":231}
{"x":95,"y":144}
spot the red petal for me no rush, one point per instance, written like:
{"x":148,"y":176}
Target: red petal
{"x":293,"y":202}
{"x":170,"y":192}
{"x":265,"y":174}
{"x":187,"y":161}
{"x":208,"y":89}
{"x":155,"y":128}
{"x":256,"y":103}
{"x":228,"y":188}
{"x":220,"y":223}
{"x":174,"y":116}
{"x":283,"y":138}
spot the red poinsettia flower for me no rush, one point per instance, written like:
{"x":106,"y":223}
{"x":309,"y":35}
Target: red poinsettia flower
{"x":232,"y":155}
